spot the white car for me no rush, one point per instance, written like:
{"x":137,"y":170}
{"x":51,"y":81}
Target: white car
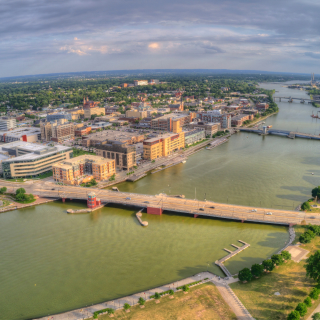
{"x":269,"y":213}
{"x":254,"y":210}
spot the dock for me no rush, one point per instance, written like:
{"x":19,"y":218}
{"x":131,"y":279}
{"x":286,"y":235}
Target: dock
{"x":217,"y":143}
{"x":231,"y":254}
{"x":139,"y":215}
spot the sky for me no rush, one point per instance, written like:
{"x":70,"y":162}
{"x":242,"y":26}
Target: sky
{"x":53,"y":36}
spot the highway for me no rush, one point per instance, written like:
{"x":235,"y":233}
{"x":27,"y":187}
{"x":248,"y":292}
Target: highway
{"x":169,"y":203}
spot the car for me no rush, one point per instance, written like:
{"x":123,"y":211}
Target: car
{"x":269,"y":213}
{"x":127,"y":198}
{"x":254,"y":210}
{"x":212,"y":207}
{"x":201,"y":209}
{"x":146,"y":202}
{"x":312,"y":217}
{"x":53,"y":189}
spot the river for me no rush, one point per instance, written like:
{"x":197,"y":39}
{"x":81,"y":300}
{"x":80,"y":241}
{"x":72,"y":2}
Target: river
{"x":53,"y":262}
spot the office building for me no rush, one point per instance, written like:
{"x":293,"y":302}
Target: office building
{"x":162,"y":146}
{"x":57,"y":131}
{"x":123,"y":154}
{"x":194,"y":136}
{"x":171,"y":122}
{"x":21,"y":134}
{"x":31,"y":159}
{"x":83,"y":169}
{"x":140,"y":82}
{"x":7,"y":123}
{"x":216,"y":116}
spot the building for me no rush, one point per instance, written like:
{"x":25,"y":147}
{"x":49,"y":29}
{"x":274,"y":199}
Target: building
{"x":82,"y":131}
{"x":31,"y":159}
{"x":136,"y":114}
{"x":94,"y":111}
{"x":89,"y":104}
{"x":59,"y":115}
{"x":209,"y":128}
{"x":83,"y":169}
{"x":176,"y":107}
{"x":154,"y":81}
{"x":57,"y":131}
{"x":214,"y":116}
{"x":262,"y":106}
{"x":194,"y":136}
{"x":21,"y":134}
{"x":123,"y":154}
{"x":162,"y":146}
{"x":106,"y":136}
{"x":100,"y":125}
{"x":239,"y":119}
{"x":171,"y":122}
{"x":7,"y":123}
{"x":140,"y":83}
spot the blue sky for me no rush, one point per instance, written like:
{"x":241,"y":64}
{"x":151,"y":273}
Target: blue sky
{"x":86,"y":35}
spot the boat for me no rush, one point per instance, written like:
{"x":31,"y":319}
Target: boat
{"x":184,"y":161}
{"x":312,"y":173}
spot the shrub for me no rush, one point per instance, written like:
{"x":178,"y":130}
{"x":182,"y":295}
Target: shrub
{"x":20,"y":190}
{"x":142,"y":301}
{"x":171,"y":292}
{"x":305,"y":206}
{"x":277,"y":259}
{"x":185,"y":288}
{"x":3,"y":190}
{"x":307,"y":237}
{"x":314,"y":229}
{"x":268,"y":264}
{"x":245,"y":274}
{"x":286,"y":255}
{"x":257,"y":270}
{"x":126,"y":306}
{"x":314,"y":294}
{"x":316,"y":316}
{"x":308,"y":301}
{"x":157,"y":295}
{"x":302,"y":309}
{"x":294,"y":315}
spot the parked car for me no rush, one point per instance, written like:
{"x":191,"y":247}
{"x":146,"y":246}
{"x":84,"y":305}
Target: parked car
{"x":269,"y":213}
{"x":146,"y":202}
{"x":201,"y":209}
{"x":128,"y":198}
{"x":212,"y":207}
{"x":254,"y":210}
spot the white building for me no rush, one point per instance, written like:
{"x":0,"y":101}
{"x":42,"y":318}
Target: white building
{"x":7,"y":123}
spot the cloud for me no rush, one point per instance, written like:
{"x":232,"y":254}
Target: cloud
{"x":259,"y":34}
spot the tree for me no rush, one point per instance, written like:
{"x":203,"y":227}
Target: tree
{"x":277,"y":259}
{"x":171,"y":292}
{"x":316,"y":316}
{"x":294,"y":315}
{"x":305,"y":206}
{"x":306,"y":237}
{"x":308,"y":301}
{"x":313,"y":266}
{"x":245,"y":274}
{"x":257,"y":270}
{"x":20,"y":190}
{"x":3,"y":190}
{"x":126,"y":306}
{"x":314,"y":294}
{"x":268,"y":265}
{"x":157,"y":295}
{"x":314,"y":229}
{"x":185,"y":288}
{"x":302,"y":309}
{"x":286,"y":255}
{"x":142,"y":301}
{"x":315,"y":192}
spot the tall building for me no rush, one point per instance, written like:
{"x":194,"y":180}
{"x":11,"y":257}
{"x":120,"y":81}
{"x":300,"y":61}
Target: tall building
{"x":31,"y":159}
{"x":7,"y":123}
{"x":171,"y":122}
{"x":57,"y":131}
{"x":83,"y":169}
{"x":163,"y":145}
{"x":123,"y":154}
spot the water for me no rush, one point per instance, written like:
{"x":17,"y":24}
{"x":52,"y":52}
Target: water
{"x":53,"y":262}
{"x":266,"y":171}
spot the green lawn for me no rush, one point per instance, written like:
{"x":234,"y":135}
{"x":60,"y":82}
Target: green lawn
{"x":289,"y":279}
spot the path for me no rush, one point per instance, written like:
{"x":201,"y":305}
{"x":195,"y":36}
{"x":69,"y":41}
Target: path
{"x":317,"y":309}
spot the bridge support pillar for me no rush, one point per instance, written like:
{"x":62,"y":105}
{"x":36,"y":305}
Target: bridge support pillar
{"x":280,"y":99}
{"x":63,"y":199}
{"x":292,"y":224}
{"x":195,"y":215}
{"x":157,"y":211}
{"x":242,"y":221}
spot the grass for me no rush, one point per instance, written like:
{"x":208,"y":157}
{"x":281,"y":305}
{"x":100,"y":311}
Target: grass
{"x":289,"y":279}
{"x":202,"y":302}
{"x":78,"y":152}
{"x":313,"y":210}
{"x":196,"y":143}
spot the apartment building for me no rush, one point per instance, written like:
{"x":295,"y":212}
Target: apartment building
{"x":82,"y":131}
{"x":140,"y":114}
{"x":194,"y":136}
{"x":57,"y":131}
{"x":216,"y":116}
{"x":169,"y":121}
{"x":30,"y":159}
{"x":123,"y":154}
{"x":209,"y":128}
{"x":163,"y":146}
{"x":239,"y":119}
{"x":21,"y":134}
{"x":262,"y":106}
{"x":83,"y":169}
{"x":7,"y":123}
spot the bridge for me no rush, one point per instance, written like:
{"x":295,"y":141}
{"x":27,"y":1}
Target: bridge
{"x":284,"y":133}
{"x":156,"y":204}
{"x":290,"y":99}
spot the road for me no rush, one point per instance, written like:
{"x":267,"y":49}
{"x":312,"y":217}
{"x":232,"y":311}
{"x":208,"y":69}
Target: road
{"x":191,"y":206}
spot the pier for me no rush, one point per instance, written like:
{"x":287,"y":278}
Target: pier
{"x":139,"y":215}
{"x":231,"y":254}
